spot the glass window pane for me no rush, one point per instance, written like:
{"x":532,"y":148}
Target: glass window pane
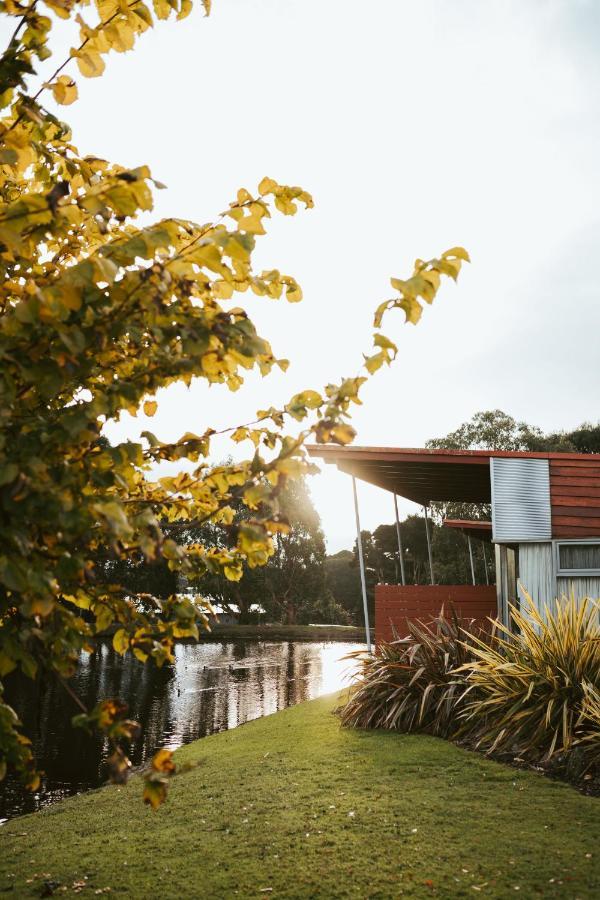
{"x":579,"y":556}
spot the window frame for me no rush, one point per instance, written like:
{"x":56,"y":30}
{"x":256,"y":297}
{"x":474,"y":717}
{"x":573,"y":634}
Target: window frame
{"x":566,"y":573}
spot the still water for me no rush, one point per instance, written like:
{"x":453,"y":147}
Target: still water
{"x":210,"y":687}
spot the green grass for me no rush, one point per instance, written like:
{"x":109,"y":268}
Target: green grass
{"x":295,"y":804}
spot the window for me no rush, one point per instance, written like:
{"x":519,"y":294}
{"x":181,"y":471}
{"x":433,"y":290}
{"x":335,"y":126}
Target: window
{"x":578,"y":557}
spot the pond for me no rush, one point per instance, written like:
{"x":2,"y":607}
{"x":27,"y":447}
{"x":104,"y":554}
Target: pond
{"x":212,"y":686}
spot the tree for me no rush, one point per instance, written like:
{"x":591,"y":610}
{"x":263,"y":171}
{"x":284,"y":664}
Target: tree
{"x":291,"y":586}
{"x":489,"y":430}
{"x":380,"y":550}
{"x":584,"y":439}
{"x":97,"y":313}
{"x":343,"y":582}
{"x":496,"y":430}
{"x":295,"y":577}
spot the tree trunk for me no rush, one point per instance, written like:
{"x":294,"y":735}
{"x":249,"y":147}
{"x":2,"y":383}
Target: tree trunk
{"x":244,"y":609}
{"x":290,"y":612}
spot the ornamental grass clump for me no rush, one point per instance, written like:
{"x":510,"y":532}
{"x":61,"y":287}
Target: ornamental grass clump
{"x":535,"y":692}
{"x":413,"y":684}
{"x":589,"y":726}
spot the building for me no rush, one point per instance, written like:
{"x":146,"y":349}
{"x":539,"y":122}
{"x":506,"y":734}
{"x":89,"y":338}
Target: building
{"x":545,"y":524}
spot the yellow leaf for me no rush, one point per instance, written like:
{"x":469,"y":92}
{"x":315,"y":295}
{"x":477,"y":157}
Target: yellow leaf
{"x":104,"y":617}
{"x":114,"y":515}
{"x":232,"y":573}
{"x":223,"y":290}
{"x":62,"y":9}
{"x":381,"y":309}
{"x":150,"y":407}
{"x":254,"y":496}
{"x":64,"y":90}
{"x":399,"y":284}
{"x":432,"y":277}
{"x":380,"y":340}
{"x":121,"y":641}
{"x":162,"y":8}
{"x":458,"y":252}
{"x":308,"y":399}
{"x":343,"y":434}
{"x":291,"y":467}
{"x":267,"y":186}
{"x":163,"y":761}
{"x":120,"y":35}
{"x":139,"y":654}
{"x":412,"y":309}
{"x":252,"y":224}
{"x":448,"y":266}
{"x":186,"y":8}
{"x":372,"y":363}
{"x":225,"y":515}
{"x":189,"y":436}
{"x":293,"y":293}
{"x":90,"y":63}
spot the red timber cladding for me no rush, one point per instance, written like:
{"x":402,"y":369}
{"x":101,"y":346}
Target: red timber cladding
{"x":575,"y":497}
{"x":395,"y":604}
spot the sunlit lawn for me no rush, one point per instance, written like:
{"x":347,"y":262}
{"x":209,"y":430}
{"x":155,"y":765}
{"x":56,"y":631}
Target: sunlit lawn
{"x":293,"y":806}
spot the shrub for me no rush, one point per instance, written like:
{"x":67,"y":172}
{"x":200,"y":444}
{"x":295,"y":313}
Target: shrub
{"x":534,"y":691}
{"x":413,"y":685}
{"x":589,"y":725}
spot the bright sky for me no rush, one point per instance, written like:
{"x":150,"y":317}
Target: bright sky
{"x":416,"y":126}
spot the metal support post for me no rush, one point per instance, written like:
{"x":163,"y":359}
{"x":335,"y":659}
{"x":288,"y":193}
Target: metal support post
{"x":471,"y":558}
{"x":361,"y":564}
{"x":429,"y":545}
{"x":487,"y":574}
{"x":400,"y":554}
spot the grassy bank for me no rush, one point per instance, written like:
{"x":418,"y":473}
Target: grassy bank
{"x":293,"y":806}
{"x":285,"y":632}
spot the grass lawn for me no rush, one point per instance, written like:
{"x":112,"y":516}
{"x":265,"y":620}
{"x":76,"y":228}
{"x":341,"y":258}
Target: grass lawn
{"x":293,"y":806}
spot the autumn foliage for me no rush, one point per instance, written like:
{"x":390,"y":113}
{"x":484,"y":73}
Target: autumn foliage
{"x":96,"y":314}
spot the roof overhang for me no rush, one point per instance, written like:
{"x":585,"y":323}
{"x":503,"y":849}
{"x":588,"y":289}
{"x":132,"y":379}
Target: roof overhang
{"x":474,"y":528}
{"x":418,"y":475}
{"x":424,"y":475}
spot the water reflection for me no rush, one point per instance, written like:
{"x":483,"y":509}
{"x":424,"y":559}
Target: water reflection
{"x":210,"y":687}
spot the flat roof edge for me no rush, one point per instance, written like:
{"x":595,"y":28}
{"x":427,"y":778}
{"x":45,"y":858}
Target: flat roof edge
{"x":337,"y":451}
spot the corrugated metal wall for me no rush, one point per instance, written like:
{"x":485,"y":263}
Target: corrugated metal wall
{"x":536,"y":575}
{"x":520,"y":500}
{"x":588,"y":586}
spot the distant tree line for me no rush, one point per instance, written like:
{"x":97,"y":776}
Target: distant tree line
{"x":302,"y":584}
{"x":292,"y":587}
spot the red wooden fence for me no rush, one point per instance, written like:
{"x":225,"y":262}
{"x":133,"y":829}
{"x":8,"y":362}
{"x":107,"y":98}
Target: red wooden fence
{"x":395,"y":604}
